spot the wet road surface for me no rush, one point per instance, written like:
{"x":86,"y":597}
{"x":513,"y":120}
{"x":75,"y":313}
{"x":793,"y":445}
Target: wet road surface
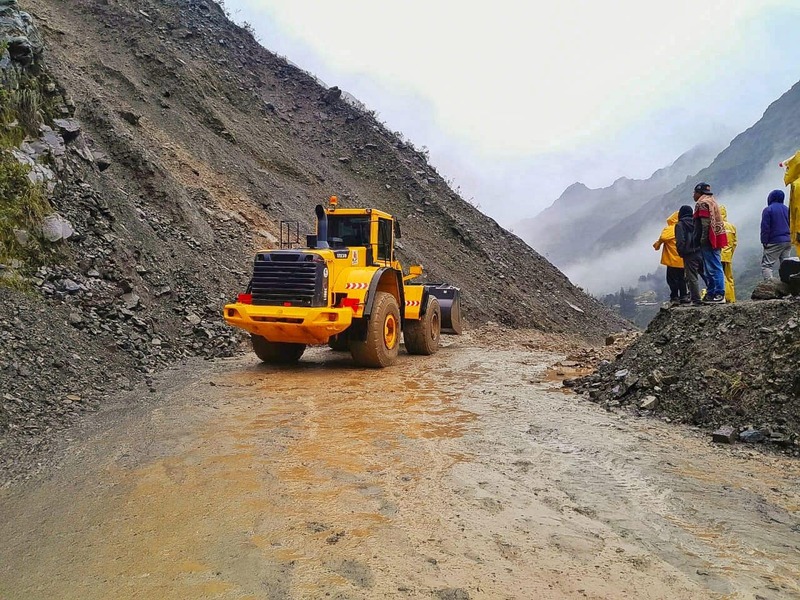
{"x":463,"y":475}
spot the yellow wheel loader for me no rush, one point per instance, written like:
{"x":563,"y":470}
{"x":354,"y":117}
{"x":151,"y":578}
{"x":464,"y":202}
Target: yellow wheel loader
{"x":345,"y":288}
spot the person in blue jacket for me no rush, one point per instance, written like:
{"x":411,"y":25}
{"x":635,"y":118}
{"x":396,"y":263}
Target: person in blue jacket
{"x":775,"y":237}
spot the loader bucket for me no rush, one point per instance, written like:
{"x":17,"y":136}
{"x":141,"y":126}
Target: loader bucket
{"x":449,"y":298}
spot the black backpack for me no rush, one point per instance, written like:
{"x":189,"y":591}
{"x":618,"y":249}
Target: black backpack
{"x":790,"y":271}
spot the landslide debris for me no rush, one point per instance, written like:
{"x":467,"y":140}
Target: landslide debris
{"x":164,"y":146}
{"x":720,"y":366}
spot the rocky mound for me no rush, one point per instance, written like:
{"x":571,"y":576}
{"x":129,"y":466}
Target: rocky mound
{"x":734,"y":365}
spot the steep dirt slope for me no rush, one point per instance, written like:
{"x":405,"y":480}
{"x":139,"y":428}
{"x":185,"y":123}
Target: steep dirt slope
{"x":227,"y":126}
{"x":212,"y":141}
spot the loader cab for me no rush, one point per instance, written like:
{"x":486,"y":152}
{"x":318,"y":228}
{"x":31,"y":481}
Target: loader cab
{"x":368,"y":228}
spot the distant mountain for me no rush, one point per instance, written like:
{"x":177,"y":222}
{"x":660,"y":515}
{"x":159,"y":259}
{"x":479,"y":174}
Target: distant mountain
{"x":585,"y":214}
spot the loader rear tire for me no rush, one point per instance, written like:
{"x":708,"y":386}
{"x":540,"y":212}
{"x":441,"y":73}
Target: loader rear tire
{"x":382,"y":343}
{"x":422,"y":336}
{"x":276,"y":353}
{"x":339,"y":343}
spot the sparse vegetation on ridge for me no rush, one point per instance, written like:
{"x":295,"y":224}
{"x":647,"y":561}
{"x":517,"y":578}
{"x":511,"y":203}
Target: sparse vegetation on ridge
{"x":23,"y":208}
{"x":24,"y":107}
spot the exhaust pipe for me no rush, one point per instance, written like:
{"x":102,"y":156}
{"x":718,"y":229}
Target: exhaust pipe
{"x":322,"y":227}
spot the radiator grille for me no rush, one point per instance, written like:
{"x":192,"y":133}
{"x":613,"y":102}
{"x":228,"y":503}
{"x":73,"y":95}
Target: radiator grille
{"x":282,"y":278}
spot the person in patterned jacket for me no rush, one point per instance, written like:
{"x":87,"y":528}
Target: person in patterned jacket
{"x":711,"y":238}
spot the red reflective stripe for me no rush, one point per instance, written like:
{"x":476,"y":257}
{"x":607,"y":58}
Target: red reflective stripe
{"x":244,"y":298}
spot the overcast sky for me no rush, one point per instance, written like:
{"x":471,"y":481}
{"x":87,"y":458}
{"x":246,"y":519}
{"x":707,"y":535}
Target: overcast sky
{"x":517,"y":100}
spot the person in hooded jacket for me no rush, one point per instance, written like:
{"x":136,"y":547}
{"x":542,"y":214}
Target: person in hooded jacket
{"x":671,"y":259}
{"x":726,"y":256}
{"x":775,"y":236}
{"x":711,"y":238}
{"x":689,"y":252}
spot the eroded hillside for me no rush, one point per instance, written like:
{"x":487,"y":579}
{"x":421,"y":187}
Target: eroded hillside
{"x":190,"y":143}
{"x":217,"y":135}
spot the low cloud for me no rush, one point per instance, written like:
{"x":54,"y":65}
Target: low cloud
{"x":623,"y":267}
{"x":618,"y":268}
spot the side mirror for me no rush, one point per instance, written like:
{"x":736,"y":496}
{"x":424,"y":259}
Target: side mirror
{"x":397,"y":229}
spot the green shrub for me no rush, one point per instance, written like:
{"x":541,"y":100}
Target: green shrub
{"x":24,"y":106}
{"x":23,"y":207}
{"x":11,"y":134}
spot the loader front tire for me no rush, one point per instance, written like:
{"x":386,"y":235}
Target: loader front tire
{"x":422,"y":336}
{"x":382,"y":342}
{"x":276,"y":353}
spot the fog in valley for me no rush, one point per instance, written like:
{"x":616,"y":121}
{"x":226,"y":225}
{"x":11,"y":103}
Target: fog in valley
{"x":622,"y":267}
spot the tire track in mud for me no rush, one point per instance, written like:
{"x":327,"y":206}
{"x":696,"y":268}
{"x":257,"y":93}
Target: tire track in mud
{"x":443,"y":476}
{"x":623,"y":479}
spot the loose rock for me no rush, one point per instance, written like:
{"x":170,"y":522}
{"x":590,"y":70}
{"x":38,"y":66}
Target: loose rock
{"x":649,"y":403}
{"x":724,"y":435}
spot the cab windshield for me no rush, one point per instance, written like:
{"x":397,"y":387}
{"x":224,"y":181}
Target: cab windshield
{"x":348,"y":230}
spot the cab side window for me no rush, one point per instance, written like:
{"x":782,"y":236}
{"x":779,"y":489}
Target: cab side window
{"x":384,"y":239}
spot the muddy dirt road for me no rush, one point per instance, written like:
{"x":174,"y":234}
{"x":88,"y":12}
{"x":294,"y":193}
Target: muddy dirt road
{"x":464,"y":475}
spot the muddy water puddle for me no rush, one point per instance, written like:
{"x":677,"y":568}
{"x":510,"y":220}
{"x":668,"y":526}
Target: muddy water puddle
{"x":445,"y":477}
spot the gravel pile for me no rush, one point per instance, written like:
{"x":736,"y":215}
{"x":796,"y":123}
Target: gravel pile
{"x":730,"y":366}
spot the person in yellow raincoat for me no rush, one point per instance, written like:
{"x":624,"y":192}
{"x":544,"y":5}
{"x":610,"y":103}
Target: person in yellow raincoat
{"x":726,"y":256}
{"x":678,"y":294}
{"x":792,"y":179}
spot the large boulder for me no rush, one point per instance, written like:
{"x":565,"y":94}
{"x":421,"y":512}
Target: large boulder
{"x":787,"y":285}
{"x":771,"y":289}
{"x":23,"y":42}
{"x":56,"y":228}
{"x":7,"y":6}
